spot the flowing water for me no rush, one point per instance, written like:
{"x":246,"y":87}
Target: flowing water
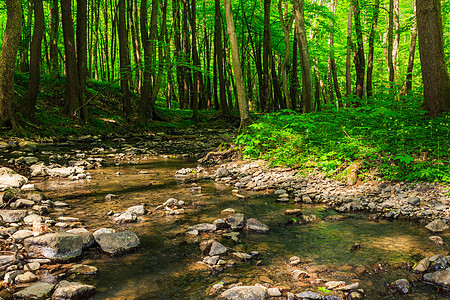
{"x":165,"y":265}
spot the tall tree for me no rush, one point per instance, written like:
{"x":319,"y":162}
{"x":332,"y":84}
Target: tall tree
{"x":305,"y":60}
{"x":29,"y":99}
{"x":348,"y":63}
{"x":333,"y":80}
{"x":219,"y":57}
{"x":82,"y":55}
{"x":124,"y":59}
{"x":412,"y":52}
{"x":435,"y":75}
{"x":8,"y":54}
{"x":286,"y":29}
{"x":360,"y":61}
{"x":266,"y":99}
{"x":54,"y":34}
{"x":198,"y":82}
{"x":242,"y":100}
{"x":391,"y":71}
{"x":372,"y":35}
{"x":72,"y":84}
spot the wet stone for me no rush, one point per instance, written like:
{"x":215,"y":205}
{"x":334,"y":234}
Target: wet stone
{"x":308,"y":295}
{"x":236,"y":221}
{"x":39,"y":290}
{"x":118,"y":242}
{"x":422,"y":266}
{"x":217,"y":249}
{"x":58,"y":245}
{"x":437,"y":226}
{"x":25,"y":277}
{"x":401,"y":285}
{"x":88,"y":238}
{"x":204,"y":227}
{"x":244,"y":293}
{"x":66,"y":290}
{"x":12,"y":216}
{"x":83,"y":270}
{"x":440,"y":278}
{"x":255,"y":225}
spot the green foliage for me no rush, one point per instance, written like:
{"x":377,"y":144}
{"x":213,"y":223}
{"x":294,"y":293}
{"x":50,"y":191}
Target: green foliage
{"x":392,"y":136}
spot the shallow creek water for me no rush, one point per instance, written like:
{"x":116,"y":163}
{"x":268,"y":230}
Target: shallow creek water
{"x":165,"y":265}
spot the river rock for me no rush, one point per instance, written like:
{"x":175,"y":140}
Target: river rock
{"x":438,"y":262}
{"x":22,"y":234}
{"x":118,"y":242}
{"x":11,"y":179}
{"x":308,"y":295}
{"x":437,"y":240}
{"x":110,"y":197}
{"x":330,"y":285}
{"x":4,"y":259}
{"x":228,"y":212}
{"x":422,"y":266}
{"x":256,"y":226}
{"x":401,"y":285}
{"x":88,"y":238}
{"x":414,"y":201}
{"x":204,"y":227}
{"x":25,"y":277}
{"x":39,"y":290}
{"x":124,"y":217}
{"x":440,"y":278}
{"x":293,"y":212}
{"x":68,"y":219}
{"x":138,"y":210}
{"x":83,"y":270}
{"x":58,"y":245}
{"x":236,"y":221}
{"x":222,"y":172}
{"x":66,"y":290}
{"x":24,"y":203}
{"x":103,"y":230}
{"x":217,"y":249}
{"x":28,"y":146}
{"x":437,"y":226}
{"x":294,"y":260}
{"x":38,"y":169}
{"x":32,"y":266}
{"x":13,"y":216}
{"x":242,"y":256}
{"x":30,"y":219}
{"x":273,"y":292}
{"x":244,"y":293}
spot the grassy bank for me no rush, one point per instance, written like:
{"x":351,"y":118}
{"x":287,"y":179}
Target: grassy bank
{"x":390,"y":139}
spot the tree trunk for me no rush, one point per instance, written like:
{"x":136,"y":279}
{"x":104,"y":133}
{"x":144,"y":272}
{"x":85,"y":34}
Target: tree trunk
{"x":24,"y":63}
{"x":412,"y":51}
{"x":242,"y":101}
{"x":294,"y":75}
{"x":332,"y":62}
{"x":187,"y":76}
{"x":267,"y":48}
{"x":8,"y":55}
{"x":360,"y":61}
{"x":348,"y":64}
{"x":198,"y":83}
{"x":391,"y":43}
{"x":396,"y":43}
{"x":304,"y":56}
{"x":29,"y":100}
{"x":435,"y":75}
{"x":82,"y":55}
{"x":124,"y":60}
{"x":54,"y":33}
{"x":72,"y":84}
{"x":373,"y":32}
{"x":177,"y":42}
{"x":286,"y":29}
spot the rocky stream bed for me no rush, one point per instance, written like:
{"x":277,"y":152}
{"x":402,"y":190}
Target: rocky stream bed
{"x":136,"y":217}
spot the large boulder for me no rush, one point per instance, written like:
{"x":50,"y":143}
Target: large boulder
{"x":39,"y":290}
{"x":117,"y":242}
{"x":11,"y":179}
{"x":88,"y":238}
{"x":58,"y":245}
{"x":437,"y":226}
{"x":236,"y":221}
{"x":440,"y":278}
{"x":244,"y":293}
{"x":66,"y":290}
{"x":13,"y":216}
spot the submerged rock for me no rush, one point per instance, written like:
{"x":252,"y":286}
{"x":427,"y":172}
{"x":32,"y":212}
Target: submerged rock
{"x":437,"y":226}
{"x":244,"y":293}
{"x":256,"y":226}
{"x":117,"y":242}
{"x":58,"y":245}
{"x":401,"y":285}
{"x":217,"y":249}
{"x":440,"y":278}
{"x":204,"y":227}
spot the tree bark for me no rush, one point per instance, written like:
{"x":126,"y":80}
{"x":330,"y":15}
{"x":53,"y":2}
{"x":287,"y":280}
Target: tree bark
{"x":198,"y":82}
{"x":72,"y":84}
{"x":267,"y":48}
{"x":412,"y":51}
{"x":348,"y":64}
{"x":333,"y":80}
{"x":396,"y":43}
{"x":242,"y":101}
{"x":29,"y":100}
{"x":391,"y":43}
{"x":304,"y":56}
{"x":54,"y":33}
{"x":435,"y":75}
{"x":8,"y":55}
{"x":286,"y":29}
{"x":294,"y":75}
{"x":373,"y":32}
{"x":124,"y":60}
{"x":360,"y":61}
{"x":82,"y":55}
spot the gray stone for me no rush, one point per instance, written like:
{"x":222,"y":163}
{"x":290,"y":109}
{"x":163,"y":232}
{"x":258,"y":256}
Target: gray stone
{"x":244,"y":293}
{"x":308,"y":295}
{"x":25,"y":277}
{"x":217,"y":249}
{"x":330,"y":285}
{"x":88,"y":238}
{"x":22,"y":234}
{"x":273,"y":292}
{"x":11,"y":179}
{"x":32,"y":266}
{"x":103,"y":230}
{"x":242,"y":256}
{"x":437,"y":226}
{"x":68,"y":219}
{"x":401,"y":285}
{"x":414,"y":201}
{"x":423,"y":265}
{"x":256,"y":226}
{"x":83,"y":270}
{"x":236,"y":221}
{"x":28,"y":146}
{"x":24,"y":203}
{"x":13,"y":216}
{"x":110,"y":197}
{"x":4,"y":259}
{"x":66,"y":290}
{"x":211,"y":260}
{"x":222,"y":172}
{"x":37,"y":291}
{"x":118,"y":242}
{"x":58,"y":245}
{"x":124,"y":217}
{"x":30,"y":219}
{"x":138,"y":210}
{"x":440,"y":278}
{"x":204,"y":227}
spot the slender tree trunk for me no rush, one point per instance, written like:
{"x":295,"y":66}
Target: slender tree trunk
{"x":187,"y":72}
{"x":54,"y":33}
{"x":294,"y":75}
{"x":286,"y":29}
{"x":24,"y":46}
{"x":242,"y":101}
{"x":208,"y":99}
{"x":72,"y":84}
{"x":348,"y":65}
{"x":267,"y":48}
{"x":29,"y":100}
{"x":412,"y":51}
{"x":435,"y":75}
{"x":304,"y":56}
{"x":198,"y":84}
{"x":178,"y":56}
{"x":125,"y":70}
{"x":396,"y":43}
{"x":82,"y":55}
{"x":391,"y":43}
{"x":372,"y":35}
{"x":8,"y":55}
{"x":259,"y":70}
{"x":277,"y":102}
{"x":360,"y":61}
